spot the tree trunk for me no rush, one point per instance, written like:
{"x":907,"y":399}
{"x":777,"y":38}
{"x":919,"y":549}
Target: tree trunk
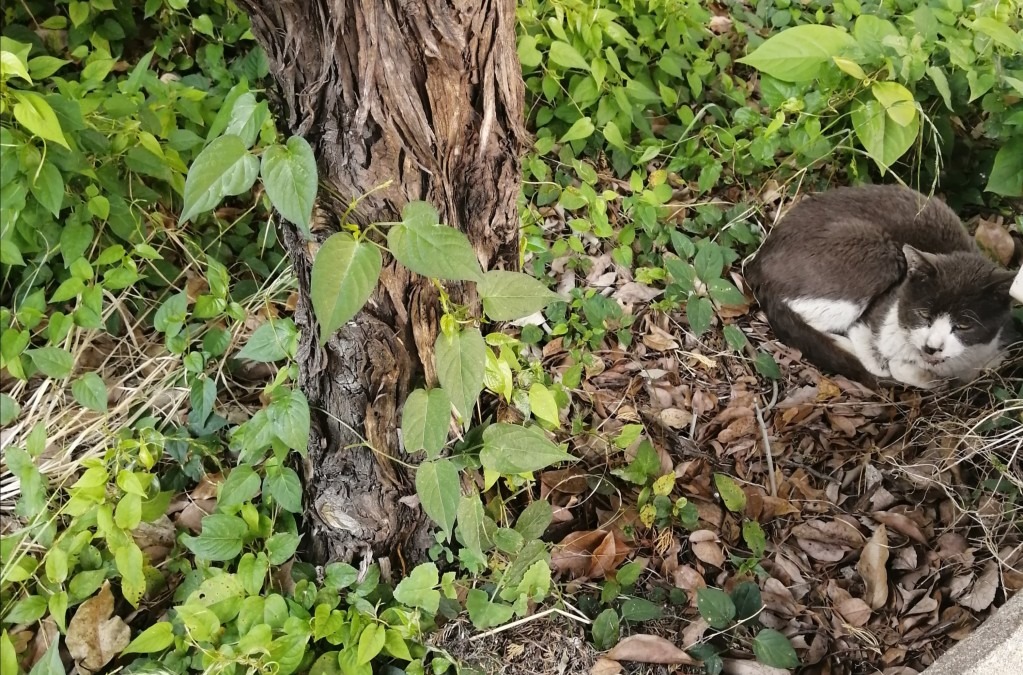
{"x":428,"y":96}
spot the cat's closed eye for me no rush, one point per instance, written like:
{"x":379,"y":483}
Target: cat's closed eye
{"x":964,"y":324}
{"x":923,"y":314}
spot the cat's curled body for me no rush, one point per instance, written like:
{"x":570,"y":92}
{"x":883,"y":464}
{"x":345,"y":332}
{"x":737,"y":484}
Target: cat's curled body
{"x":882,"y":283}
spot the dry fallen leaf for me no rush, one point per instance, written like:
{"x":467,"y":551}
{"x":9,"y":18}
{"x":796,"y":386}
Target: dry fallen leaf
{"x":733,"y":667}
{"x":649,"y":649}
{"x":606,"y":667}
{"x":982,"y":594}
{"x":93,"y":636}
{"x":995,"y":240}
{"x":855,"y":612}
{"x":872,"y":570}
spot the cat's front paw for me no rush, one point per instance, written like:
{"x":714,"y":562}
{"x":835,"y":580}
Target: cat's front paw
{"x":913,"y":375}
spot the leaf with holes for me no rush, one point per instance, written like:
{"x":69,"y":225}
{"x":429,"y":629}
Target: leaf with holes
{"x":344,"y":275}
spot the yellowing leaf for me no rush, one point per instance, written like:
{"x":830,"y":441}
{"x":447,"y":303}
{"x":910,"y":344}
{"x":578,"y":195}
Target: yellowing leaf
{"x":35,"y":114}
{"x":897,"y":101}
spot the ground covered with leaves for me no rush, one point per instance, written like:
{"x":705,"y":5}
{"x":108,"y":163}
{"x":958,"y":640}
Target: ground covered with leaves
{"x":729,"y":508}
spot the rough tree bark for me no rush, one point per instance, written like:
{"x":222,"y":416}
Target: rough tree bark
{"x":429,"y":96}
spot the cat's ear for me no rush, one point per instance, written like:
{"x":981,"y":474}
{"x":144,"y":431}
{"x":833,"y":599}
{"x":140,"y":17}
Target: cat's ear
{"x":918,"y":263}
{"x":999,"y":282}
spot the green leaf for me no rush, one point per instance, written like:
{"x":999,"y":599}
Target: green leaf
{"x":747,"y":600}
{"x":90,"y":391}
{"x":289,"y":416}
{"x":725,"y":294}
{"x":731,"y":494}
{"x":344,"y":275}
{"x":514,"y":449}
{"x":646,"y":465}
{"x":284,"y":485}
{"x":529,"y":55}
{"x":291,"y":180}
{"x":753,"y":535}
{"x":35,"y":114}
{"x":11,"y":65}
{"x":222,"y":169}
{"x":798,"y":53}
{"x":48,"y":188}
{"x":898,"y":101}
{"x":580,"y":129}
{"x":424,"y":421}
{"x":433,"y":250}
{"x":542,"y":403}
{"x":394,"y":644}
{"x":221,"y":538}
{"x":419,"y":588}
{"x":699,"y":311}
{"x":606,"y":629}
{"x":274,"y":340}
{"x":508,"y":296}
{"x":51,"y":361}
{"x":50,"y":664}
{"x":439,"y":488}
{"x":27,"y":610}
{"x":476,"y":531}
{"x":9,"y":409}
{"x":735,"y":338}
{"x":709,"y":262}
{"x":883,"y":139}
{"x":567,"y":56}
{"x":8,"y":657}
{"x":484,"y":612}
{"x":131,"y":564}
{"x":1006,"y":176}
{"x":937,"y":76}
{"x":715,"y":607}
{"x":156,"y":638}
{"x":773,"y":649}
{"x":534,"y":519}
{"x":1000,"y":32}
{"x":371,"y":642}
{"x":461,"y":364}
{"x":247,"y":117}
{"x":281,"y":547}
{"x":613,"y":135}
{"x":767,"y":366}
{"x":640,"y":609}
{"x":242,"y":485}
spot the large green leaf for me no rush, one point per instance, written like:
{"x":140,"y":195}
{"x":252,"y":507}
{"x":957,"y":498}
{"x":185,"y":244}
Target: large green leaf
{"x":898,"y":101}
{"x":461,"y":364}
{"x":773,"y":649}
{"x":797,"y":54}
{"x":344,"y":275}
{"x":513,"y":449}
{"x":290,"y":177}
{"x":513,"y":295}
{"x":884,"y":139}
{"x":48,"y":188}
{"x":567,"y":56}
{"x":221,"y":538}
{"x":35,"y":114}
{"x":289,"y":417}
{"x":438,"y":488}
{"x":1007,"y":173}
{"x":424,"y":421}
{"x":222,"y":169}
{"x":431,"y":249}
{"x":419,"y":588}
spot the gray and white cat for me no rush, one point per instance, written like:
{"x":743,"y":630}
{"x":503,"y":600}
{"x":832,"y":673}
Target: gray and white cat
{"x":883,"y":283}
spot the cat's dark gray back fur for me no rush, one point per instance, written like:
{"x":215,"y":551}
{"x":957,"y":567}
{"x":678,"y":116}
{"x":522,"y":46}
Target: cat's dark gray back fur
{"x":850,"y":242}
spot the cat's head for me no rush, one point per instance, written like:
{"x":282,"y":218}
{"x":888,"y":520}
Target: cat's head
{"x":948,"y":303}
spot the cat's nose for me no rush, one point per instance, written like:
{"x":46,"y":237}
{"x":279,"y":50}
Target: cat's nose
{"x":930,"y":351}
